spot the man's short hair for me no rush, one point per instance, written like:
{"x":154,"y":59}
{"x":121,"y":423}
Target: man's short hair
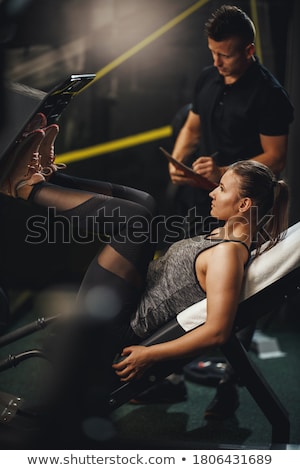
{"x":230,"y":21}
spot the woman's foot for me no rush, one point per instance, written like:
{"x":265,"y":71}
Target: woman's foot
{"x":39,"y":121}
{"x":26,"y":171}
{"x":47,"y":151}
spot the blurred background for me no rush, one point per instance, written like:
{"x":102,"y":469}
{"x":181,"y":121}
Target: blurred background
{"x":146,"y":56}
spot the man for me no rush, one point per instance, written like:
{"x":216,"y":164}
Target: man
{"x":239,"y":111}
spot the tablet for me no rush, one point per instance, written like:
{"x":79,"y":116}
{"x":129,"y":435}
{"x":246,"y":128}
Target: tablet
{"x":201,"y":181}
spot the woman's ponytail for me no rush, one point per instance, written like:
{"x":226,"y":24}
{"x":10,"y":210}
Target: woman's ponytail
{"x":277,"y":225}
{"x":270,"y":202}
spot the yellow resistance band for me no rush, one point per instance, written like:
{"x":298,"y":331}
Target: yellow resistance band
{"x":113,"y":146}
{"x":148,"y":40}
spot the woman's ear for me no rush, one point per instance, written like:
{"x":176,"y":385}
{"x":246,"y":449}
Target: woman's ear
{"x":245,"y":204}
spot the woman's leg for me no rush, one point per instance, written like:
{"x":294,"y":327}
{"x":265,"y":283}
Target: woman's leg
{"x":105,"y":188}
{"x":126,"y":223}
{"x":113,"y":281}
{"x":110,"y":289}
{"x":51,"y":173}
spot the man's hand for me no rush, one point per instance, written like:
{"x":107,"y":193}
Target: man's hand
{"x":207,"y":167}
{"x":204,"y":166}
{"x":178,"y":177}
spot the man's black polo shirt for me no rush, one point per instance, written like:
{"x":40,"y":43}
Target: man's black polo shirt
{"x":233,"y":116}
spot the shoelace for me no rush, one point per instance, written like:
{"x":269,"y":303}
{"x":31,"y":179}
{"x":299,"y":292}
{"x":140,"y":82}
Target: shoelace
{"x":48,"y":170}
{"x":35,"y":163}
{"x":51,"y":166}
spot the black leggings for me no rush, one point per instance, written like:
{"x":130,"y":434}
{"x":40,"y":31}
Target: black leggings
{"x":113,"y":282}
{"x":123,"y":215}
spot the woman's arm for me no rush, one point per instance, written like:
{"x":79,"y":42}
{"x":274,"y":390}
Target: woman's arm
{"x":223,"y":266}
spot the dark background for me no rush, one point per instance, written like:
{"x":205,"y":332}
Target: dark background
{"x":45,"y":41}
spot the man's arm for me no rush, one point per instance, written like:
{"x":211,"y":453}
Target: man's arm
{"x":274,"y":156}
{"x":186,"y":144}
{"x":274,"y":152}
{"x":188,"y":138}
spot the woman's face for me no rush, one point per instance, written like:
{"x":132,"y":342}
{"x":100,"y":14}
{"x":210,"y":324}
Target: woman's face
{"x":226,"y":201}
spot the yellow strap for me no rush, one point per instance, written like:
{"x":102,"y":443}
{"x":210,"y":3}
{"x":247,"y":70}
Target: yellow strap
{"x":148,"y":40}
{"x":114,"y":145}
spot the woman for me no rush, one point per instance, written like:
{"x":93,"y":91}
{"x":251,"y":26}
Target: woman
{"x":209,"y":266}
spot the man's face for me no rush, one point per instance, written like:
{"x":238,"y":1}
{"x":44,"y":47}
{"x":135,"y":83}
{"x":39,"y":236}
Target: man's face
{"x":230,"y":58}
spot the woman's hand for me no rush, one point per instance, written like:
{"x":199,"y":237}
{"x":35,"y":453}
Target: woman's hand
{"x":136,"y":361}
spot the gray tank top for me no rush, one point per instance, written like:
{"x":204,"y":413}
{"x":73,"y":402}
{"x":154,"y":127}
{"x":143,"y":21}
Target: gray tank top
{"x":171,"y":285}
